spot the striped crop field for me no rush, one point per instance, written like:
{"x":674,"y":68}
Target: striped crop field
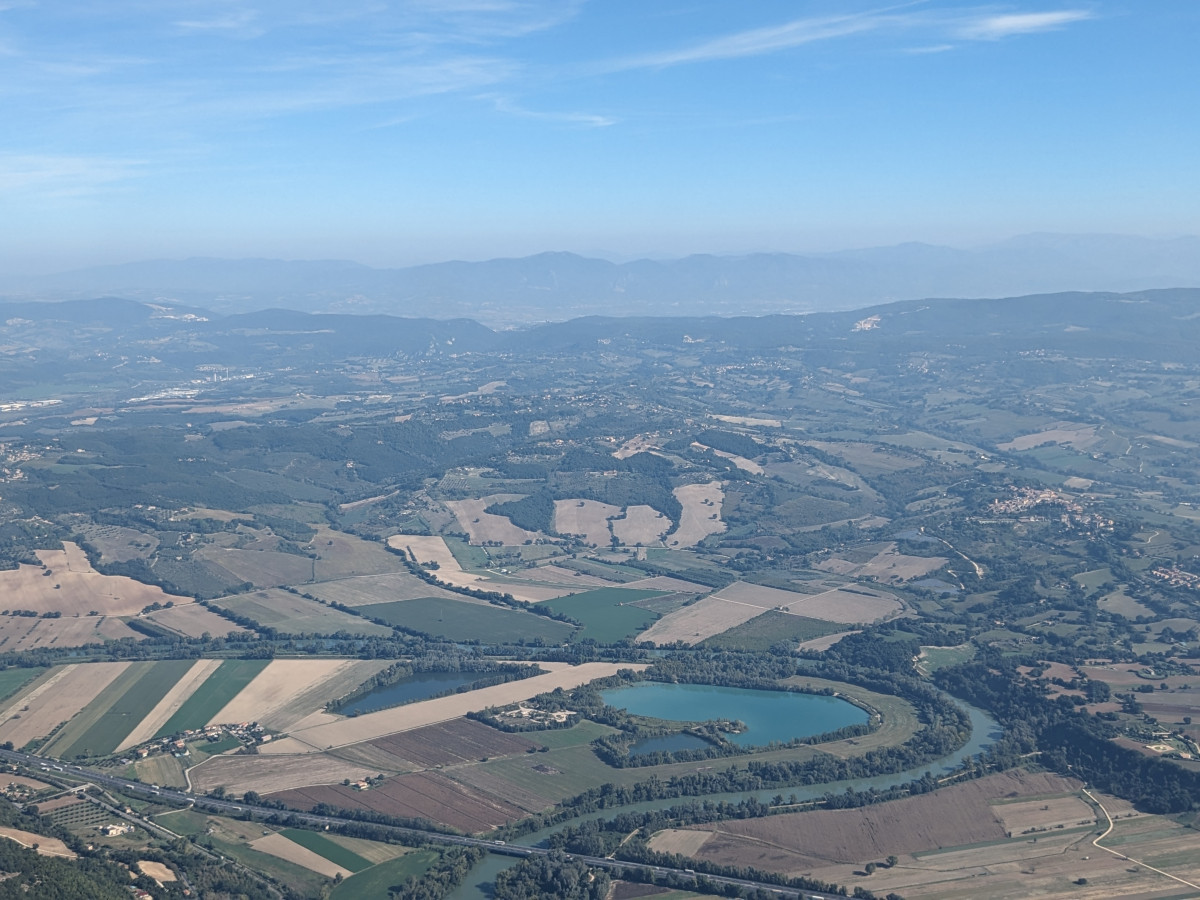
{"x":99,"y":728}
{"x":324,"y":847}
{"x":211,"y":697}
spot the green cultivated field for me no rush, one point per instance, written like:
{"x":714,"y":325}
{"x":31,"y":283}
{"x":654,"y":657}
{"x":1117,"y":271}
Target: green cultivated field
{"x":12,"y":680}
{"x":458,"y":621}
{"x":772,"y":627}
{"x":210,"y":698}
{"x":324,"y":847}
{"x":99,"y":728}
{"x":373,"y":883}
{"x":607,"y":614}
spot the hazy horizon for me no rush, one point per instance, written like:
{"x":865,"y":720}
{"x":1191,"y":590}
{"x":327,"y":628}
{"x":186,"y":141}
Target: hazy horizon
{"x":412,"y":132}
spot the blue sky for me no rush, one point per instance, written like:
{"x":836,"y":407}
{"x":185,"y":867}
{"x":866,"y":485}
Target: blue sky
{"x":401,"y":132}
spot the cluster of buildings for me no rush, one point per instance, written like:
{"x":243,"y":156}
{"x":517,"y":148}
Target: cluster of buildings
{"x":1176,"y":577}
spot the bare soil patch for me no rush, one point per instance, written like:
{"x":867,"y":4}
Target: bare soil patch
{"x":586,"y":518}
{"x":345,"y":556}
{"x":322,"y":731}
{"x":679,"y":840}
{"x":450,"y":743}
{"x":279,"y":846}
{"x":23,"y":633}
{"x":156,"y":870}
{"x":747,"y":420}
{"x":66,"y":583}
{"x":701,"y":514}
{"x":746,"y":465}
{"x":46,"y":846}
{"x":888,"y":566}
{"x":424,"y":795}
{"x":824,"y":643}
{"x":194,"y":620}
{"x":1078,"y":437}
{"x":366,"y":590}
{"x":640,"y":525}
{"x":54,"y":698}
{"x":951,"y":817}
{"x":169,"y":705}
{"x":484,"y":526}
{"x":1027,"y":816}
{"x":238,"y":774}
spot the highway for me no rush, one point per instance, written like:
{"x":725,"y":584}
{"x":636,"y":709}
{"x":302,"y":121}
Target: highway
{"x":230,"y":808}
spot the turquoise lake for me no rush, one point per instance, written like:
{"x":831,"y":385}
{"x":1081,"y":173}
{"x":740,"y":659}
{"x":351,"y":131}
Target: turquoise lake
{"x":769,"y":715}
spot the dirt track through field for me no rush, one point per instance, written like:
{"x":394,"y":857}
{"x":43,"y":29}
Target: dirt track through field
{"x":169,"y":705}
{"x":55,"y":700}
{"x":322,"y":731}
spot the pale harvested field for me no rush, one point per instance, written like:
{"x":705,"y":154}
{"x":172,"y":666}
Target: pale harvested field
{"x":278,"y":685}
{"x":666,"y":583}
{"x":825,"y":642}
{"x":701,"y":514}
{"x":365,"y":590}
{"x":433,"y":549}
{"x":322,"y":731}
{"x":552,"y":574}
{"x":530,"y":593}
{"x":679,"y":840}
{"x":747,"y":420}
{"x":156,"y":870}
{"x":641,"y":525}
{"x":261,"y":568}
{"x":741,"y":601}
{"x":278,"y":845}
{"x":746,"y":465}
{"x":66,"y":583}
{"x":1078,"y":437}
{"x":46,"y":846}
{"x":639,"y":443}
{"x":169,"y":705}
{"x":699,"y":621}
{"x":193,"y":620}
{"x":951,"y":817}
{"x":1020,"y":816}
{"x":238,"y":774}
{"x":888,"y":566}
{"x":345,"y":555}
{"x":484,"y":526}
{"x":586,"y":518}
{"x":22,"y":633}
{"x":55,"y":697}
{"x":371,"y":851}
{"x":1049,"y":868}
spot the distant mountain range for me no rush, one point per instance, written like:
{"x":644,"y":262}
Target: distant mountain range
{"x":562,"y":286}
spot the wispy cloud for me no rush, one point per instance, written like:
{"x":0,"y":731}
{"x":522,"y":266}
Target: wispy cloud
{"x":758,"y":41}
{"x":237,"y":23}
{"x":994,"y":28}
{"x":590,"y":120}
{"x":62,"y":176}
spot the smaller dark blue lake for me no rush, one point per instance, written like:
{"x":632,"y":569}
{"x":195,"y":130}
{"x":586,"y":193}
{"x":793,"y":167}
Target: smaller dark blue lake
{"x":668,"y":743}
{"x":418,"y":686}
